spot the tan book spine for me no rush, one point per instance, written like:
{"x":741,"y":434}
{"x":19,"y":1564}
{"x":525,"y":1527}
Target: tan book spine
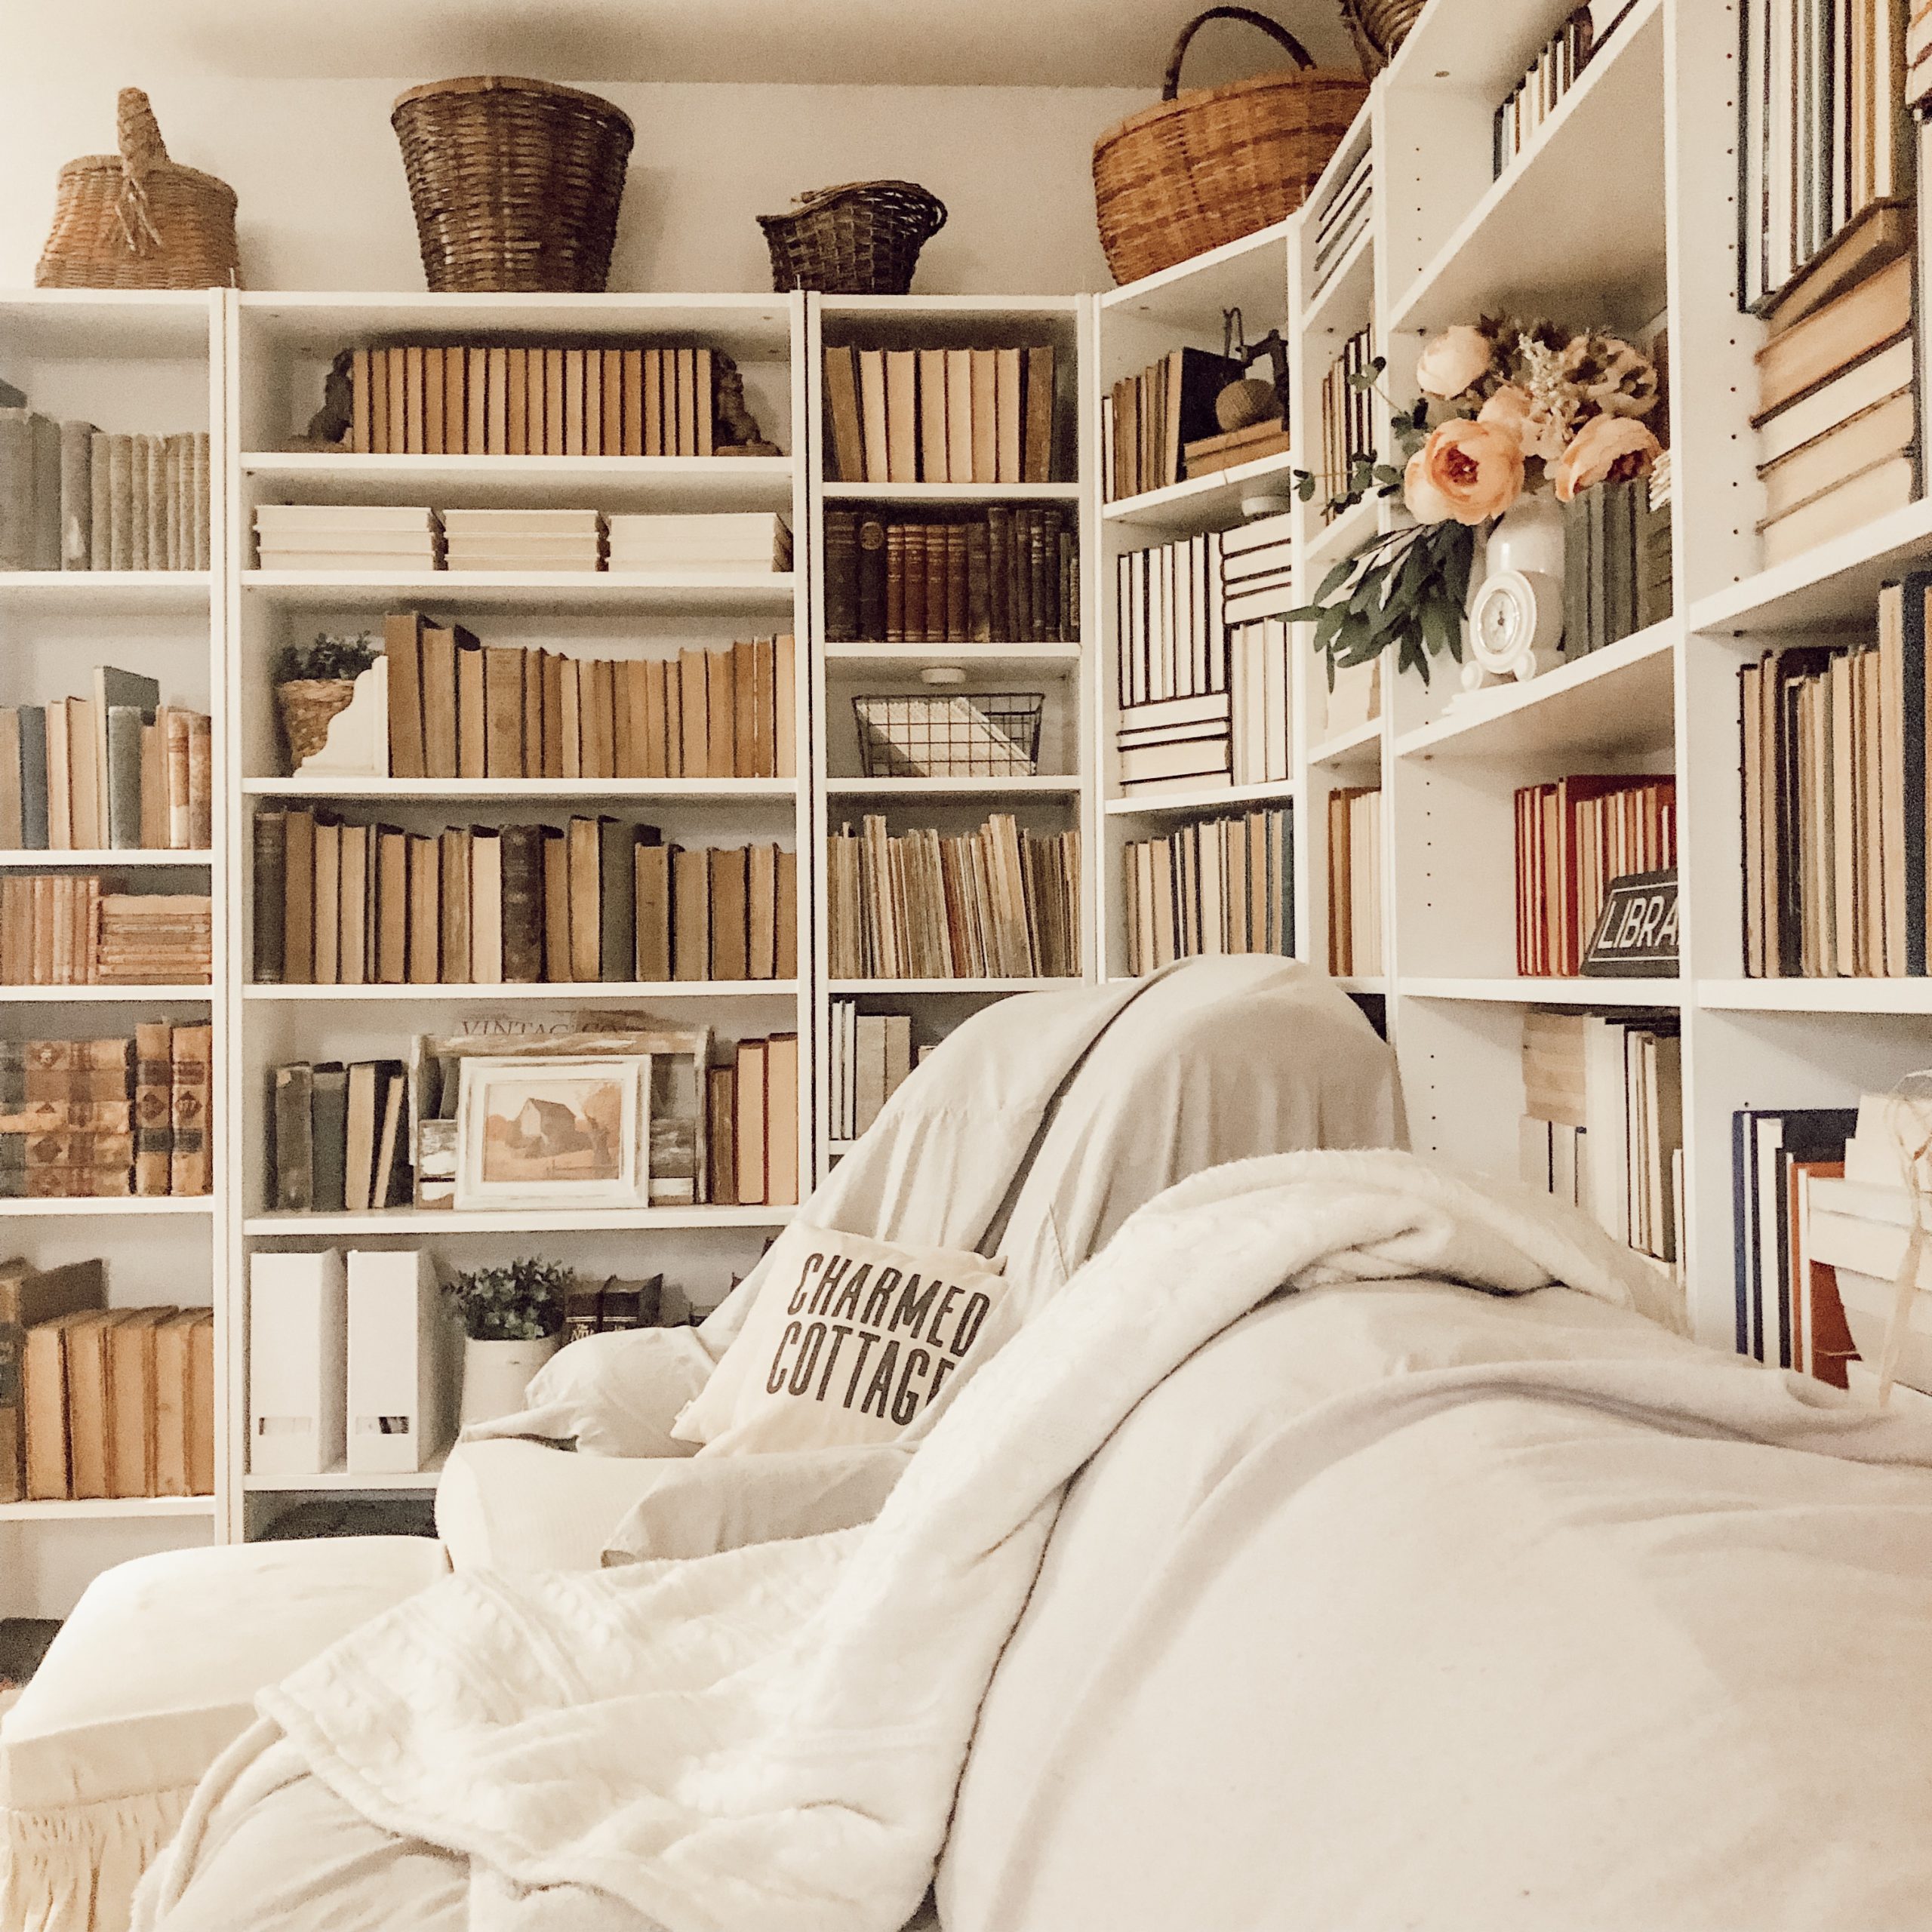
{"x":593,"y":402}
{"x":557,"y":965}
{"x":720,"y":714}
{"x":360,"y":403}
{"x":89,"y":1402}
{"x":154,"y":786}
{"x":552,"y":759}
{"x":379,"y":402}
{"x":570,"y":717}
{"x":476,"y":403}
{"x":554,"y":402}
{"x":685,"y":361}
{"x":902,"y":415}
{"x":706,"y":401}
{"x":392,"y":856}
{"x":1009,"y":452}
{"x":454,"y":854}
{"x":396,"y":442}
{"x":623,"y":754}
{"x":751,"y":1128}
{"x":656,"y":756}
{"x":412,"y":402}
{"x":729,"y":893}
{"x":784,"y":681}
{"x":690,"y":914}
{"x":497,"y":402}
{"x":692,"y":702}
{"x":652,"y":886}
{"x":437,"y":672}
{"x":201,"y":1406}
{"x":635,"y":698}
{"x":935,"y":466}
{"x":635,"y":395}
{"x":503,"y":711}
{"x":328,"y":903}
{"x":534,"y":662}
{"x":872,"y":415}
{"x":572,"y":379}
{"x":599,"y":733}
{"x":761,"y":912}
{"x":298,"y":902}
{"x":434,"y":379}
{"x":986,"y":415}
{"x":781,"y":1180}
{"x":614,"y":404}
{"x":587,"y":901}
{"x":786,"y":939}
{"x":190,"y":1166}
{"x":472,"y":733}
{"x":353,"y":908}
{"x":516,"y":402}
{"x":172,"y":1378}
{"x":153,"y":1107}
{"x":402,"y":646}
{"x":486,"y":906}
{"x":44,"y":1403}
{"x":425,"y":911}
{"x":131,"y":1384}
{"x":744,"y":757}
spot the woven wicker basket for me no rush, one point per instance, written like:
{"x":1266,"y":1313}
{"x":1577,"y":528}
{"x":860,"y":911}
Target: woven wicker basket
{"x":1214,"y":163}
{"x":516,"y":183}
{"x":1378,"y":27}
{"x":861,"y":238}
{"x":136,"y":220}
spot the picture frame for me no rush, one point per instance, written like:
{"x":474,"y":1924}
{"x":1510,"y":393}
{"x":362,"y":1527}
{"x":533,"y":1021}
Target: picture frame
{"x":559,"y":1132}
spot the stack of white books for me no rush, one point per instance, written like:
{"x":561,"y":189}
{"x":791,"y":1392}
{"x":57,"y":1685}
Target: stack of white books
{"x":752,"y":540}
{"x":1861,"y":1226}
{"x":310,"y":537}
{"x":524,"y":540}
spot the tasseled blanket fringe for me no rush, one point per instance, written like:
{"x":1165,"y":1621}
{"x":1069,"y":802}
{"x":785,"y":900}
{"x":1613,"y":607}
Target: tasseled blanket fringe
{"x":75,"y":1870}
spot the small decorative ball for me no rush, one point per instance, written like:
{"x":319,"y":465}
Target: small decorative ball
{"x":1248,"y":401}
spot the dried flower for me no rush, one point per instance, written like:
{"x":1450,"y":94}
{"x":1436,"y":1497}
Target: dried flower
{"x":1470,"y":472}
{"x":1609,"y":376}
{"x":1607,"y":449}
{"x":1454,"y":363}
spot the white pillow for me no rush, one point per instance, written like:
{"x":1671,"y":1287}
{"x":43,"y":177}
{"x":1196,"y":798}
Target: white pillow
{"x":614,"y":1395}
{"x":850,"y":1341}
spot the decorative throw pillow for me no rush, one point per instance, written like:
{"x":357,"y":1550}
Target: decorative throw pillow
{"x":850,"y":1341}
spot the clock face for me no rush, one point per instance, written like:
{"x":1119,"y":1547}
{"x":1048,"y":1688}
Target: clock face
{"x":1503,"y":620}
{"x":1504,"y":626}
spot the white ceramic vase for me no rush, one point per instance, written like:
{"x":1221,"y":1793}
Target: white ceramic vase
{"x":495,"y":1375}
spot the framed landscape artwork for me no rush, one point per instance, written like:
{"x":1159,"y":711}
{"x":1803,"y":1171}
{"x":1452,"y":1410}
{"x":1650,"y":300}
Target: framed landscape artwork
{"x":563,"y":1133}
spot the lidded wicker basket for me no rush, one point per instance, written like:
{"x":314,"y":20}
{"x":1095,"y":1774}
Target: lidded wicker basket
{"x":1214,"y":163}
{"x":1378,"y":27}
{"x":516,"y":183}
{"x":136,"y":219}
{"x":861,"y":238}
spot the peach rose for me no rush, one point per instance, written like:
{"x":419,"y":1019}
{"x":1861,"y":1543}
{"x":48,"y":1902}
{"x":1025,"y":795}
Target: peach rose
{"x":1540,"y":434}
{"x":1607,"y":449}
{"x":1470,"y":471}
{"x":1454,"y":363}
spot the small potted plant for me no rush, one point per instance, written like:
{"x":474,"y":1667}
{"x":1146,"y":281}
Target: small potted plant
{"x":512,"y":1314}
{"x":314,"y":682}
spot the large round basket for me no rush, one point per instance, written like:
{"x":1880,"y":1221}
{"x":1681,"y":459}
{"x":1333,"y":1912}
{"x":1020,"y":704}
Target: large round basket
{"x":136,"y":220}
{"x":861,"y":238}
{"x":1214,"y":163}
{"x":1378,"y":27}
{"x":516,"y":183}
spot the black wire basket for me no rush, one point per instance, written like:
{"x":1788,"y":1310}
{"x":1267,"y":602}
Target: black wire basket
{"x":986,"y":736}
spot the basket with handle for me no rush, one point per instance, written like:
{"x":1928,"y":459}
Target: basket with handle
{"x":860,"y":238}
{"x":136,"y":219}
{"x":516,"y":183}
{"x":1378,"y":27}
{"x":995,"y":735}
{"x":1214,"y":163}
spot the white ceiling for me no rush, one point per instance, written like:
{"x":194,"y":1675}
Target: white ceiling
{"x":1025,"y":43}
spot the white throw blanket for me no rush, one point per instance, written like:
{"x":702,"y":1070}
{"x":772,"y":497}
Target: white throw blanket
{"x":770,"y":1740}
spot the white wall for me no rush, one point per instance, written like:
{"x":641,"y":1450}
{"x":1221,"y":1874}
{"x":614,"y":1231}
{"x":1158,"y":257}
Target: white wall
{"x":323,"y":205}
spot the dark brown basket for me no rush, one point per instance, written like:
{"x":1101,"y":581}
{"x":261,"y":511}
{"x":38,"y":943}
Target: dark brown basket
{"x":862,"y":237}
{"x":1378,"y":27}
{"x":1214,"y":163}
{"x":136,"y":220}
{"x":516,"y":183}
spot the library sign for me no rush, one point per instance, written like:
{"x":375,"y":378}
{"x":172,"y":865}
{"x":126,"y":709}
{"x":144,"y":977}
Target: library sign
{"x":1636,"y":935}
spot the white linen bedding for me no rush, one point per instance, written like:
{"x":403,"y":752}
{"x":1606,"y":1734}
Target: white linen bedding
{"x":773,"y":1738}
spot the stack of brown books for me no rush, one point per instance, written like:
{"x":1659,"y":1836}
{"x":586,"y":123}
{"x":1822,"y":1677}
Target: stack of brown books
{"x":1222,"y":885}
{"x":997,"y":903}
{"x":63,"y":929}
{"x":459,"y":708}
{"x":1574,"y":838}
{"x":29,"y":1296}
{"x":1838,"y":408}
{"x":753,"y":1105}
{"x":496,"y":400}
{"x":1009,"y":573}
{"x":1354,"y":882}
{"x":1149,"y":421}
{"x":80,"y":1119}
{"x":119,"y":1402}
{"x":1229,"y":449}
{"x":598,"y":899}
{"x":941,"y":415}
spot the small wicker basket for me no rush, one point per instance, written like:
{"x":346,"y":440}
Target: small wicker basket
{"x":308,"y":705}
{"x":516,"y":183}
{"x":1214,"y":163}
{"x":136,"y":219}
{"x":1378,"y":27}
{"x":861,"y":238}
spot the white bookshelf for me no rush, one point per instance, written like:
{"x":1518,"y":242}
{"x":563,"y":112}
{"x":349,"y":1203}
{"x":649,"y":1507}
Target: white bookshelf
{"x":126,"y":362}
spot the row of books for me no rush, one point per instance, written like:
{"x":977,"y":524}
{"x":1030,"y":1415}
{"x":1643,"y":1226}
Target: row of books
{"x":1348,"y":414}
{"x":118,"y":1402}
{"x":118,"y":771}
{"x":997,"y":903}
{"x":1574,"y":838}
{"x":1833,"y":745}
{"x":459,"y":708}
{"x":1009,"y":574}
{"x":1354,"y":882}
{"x":752,"y":1148}
{"x":75,"y":498}
{"x":495,"y":399}
{"x":341,"y":1137}
{"x":1556,"y":69}
{"x":1343,"y":222}
{"x":871,"y":1056}
{"x":1824,"y":133}
{"x":65,"y":929}
{"x":1603,"y":1122}
{"x":1150,"y":419}
{"x":1219,"y":885}
{"x":1616,"y":563}
{"x":596,"y":899}
{"x":1238,"y":735}
{"x":616,"y":1306}
{"x":941,"y":415}
{"x":1837,"y":399}
{"x":123,"y":1115}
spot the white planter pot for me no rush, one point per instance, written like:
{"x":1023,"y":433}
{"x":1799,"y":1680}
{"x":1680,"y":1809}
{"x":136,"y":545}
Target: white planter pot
{"x":495,"y":1375}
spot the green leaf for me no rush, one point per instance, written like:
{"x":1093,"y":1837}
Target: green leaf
{"x":1334,"y":580}
{"x":1387,"y":473}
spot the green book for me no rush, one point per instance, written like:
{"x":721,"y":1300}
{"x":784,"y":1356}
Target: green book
{"x":1577,"y":576}
{"x":329,"y":1136}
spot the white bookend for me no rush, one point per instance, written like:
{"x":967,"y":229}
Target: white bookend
{"x":401,"y":1367}
{"x":296,"y":1363}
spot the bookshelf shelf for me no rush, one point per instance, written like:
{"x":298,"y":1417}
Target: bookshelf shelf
{"x":1360,"y":744}
{"x":1621,"y":698}
{"x":1522,"y":248}
{"x":1663,"y":994}
{"x":103,"y":593}
{"x":1204,"y":502}
{"x":1249,"y":274}
{"x":948,"y":989}
{"x":908,"y":660}
{"x":952,"y":493}
{"x":612,"y":482}
{"x":586,"y":992}
{"x":106,"y":995}
{"x":112,"y":1508}
{"x":1372,"y":986}
{"x":688,"y":791}
{"x":553,"y":590}
{"x":428,"y":1222}
{"x":1203,"y":799}
{"x":103,"y":861}
{"x":952,"y":788}
{"x":341,"y":1480}
{"x":191,"y":1207}
{"x":1343,"y":304}
{"x":1912,"y":998}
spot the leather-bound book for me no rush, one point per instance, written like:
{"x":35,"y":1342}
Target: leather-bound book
{"x":523,"y":902}
{"x":872,"y":573}
{"x":729,"y":881}
{"x":269,"y":844}
{"x":190,"y":1165}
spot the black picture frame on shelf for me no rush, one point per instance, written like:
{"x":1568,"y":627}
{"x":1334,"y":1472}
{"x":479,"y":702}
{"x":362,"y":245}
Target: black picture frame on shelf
{"x":1636,"y":934}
